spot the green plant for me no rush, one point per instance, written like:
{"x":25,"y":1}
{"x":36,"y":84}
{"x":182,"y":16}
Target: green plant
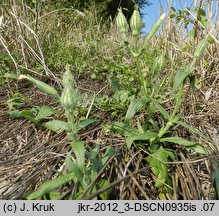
{"x":154,"y":133}
{"x":35,"y":114}
{"x":82,"y":166}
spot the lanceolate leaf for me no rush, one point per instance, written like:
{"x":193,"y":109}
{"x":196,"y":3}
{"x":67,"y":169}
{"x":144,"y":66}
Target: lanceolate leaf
{"x":158,"y":163}
{"x":161,"y":109}
{"x":86,"y":122}
{"x":145,"y":136}
{"x":194,"y":130}
{"x":134,"y":107}
{"x":178,"y":140}
{"x":216,"y":178}
{"x":123,"y":129}
{"x":110,"y":151}
{"x":192,"y":82}
{"x":57,"y":126}
{"x":105,"y":195}
{"x":44,"y":111}
{"x":49,"y":186}
{"x":180,"y":77}
{"x":79,"y":150}
{"x":199,"y":149}
{"x":114,"y":84}
{"x":201,"y":47}
{"x":73,"y":167}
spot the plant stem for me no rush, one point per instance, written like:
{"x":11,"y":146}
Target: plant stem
{"x":73,"y":125}
{"x":142,"y":78}
{"x":176,"y":107}
{"x":178,"y":103}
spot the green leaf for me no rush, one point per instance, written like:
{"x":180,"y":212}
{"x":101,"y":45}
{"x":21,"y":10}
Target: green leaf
{"x":134,"y":106}
{"x":172,"y":16}
{"x":93,"y":153}
{"x":44,"y":111}
{"x":180,"y":77}
{"x":93,"y":156}
{"x":177,"y":118}
{"x":15,"y":114}
{"x":13,"y":103}
{"x":161,"y":109}
{"x":178,"y":140}
{"x":57,"y":126}
{"x":69,"y":164}
{"x":114,"y":84}
{"x":74,"y":168}
{"x":110,"y":151}
{"x":199,"y":149}
{"x":122,"y":129}
{"x":35,"y":114}
{"x":102,"y":184}
{"x":49,"y":186}
{"x":158,"y":162}
{"x":194,"y":130}
{"x":128,"y":46}
{"x":86,"y":122}
{"x":141,"y":137}
{"x":29,"y":114}
{"x":191,"y":35}
{"x":140,"y":128}
{"x":79,"y":150}
{"x":201,"y":47}
{"x":216,"y":178}
{"x":54,"y":195}
{"x":192,"y":82}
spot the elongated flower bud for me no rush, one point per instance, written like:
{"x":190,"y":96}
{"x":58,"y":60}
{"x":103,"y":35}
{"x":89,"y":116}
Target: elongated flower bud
{"x":135,"y":23}
{"x":69,"y":97}
{"x":121,"y":21}
{"x":155,"y":28}
{"x":41,"y":85}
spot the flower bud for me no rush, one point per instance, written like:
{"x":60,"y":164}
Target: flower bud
{"x":69,"y":96}
{"x":121,"y":21}
{"x":135,"y":23}
{"x":155,"y":28}
{"x":41,"y":85}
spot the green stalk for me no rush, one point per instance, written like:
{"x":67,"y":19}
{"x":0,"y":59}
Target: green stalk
{"x":143,"y":81}
{"x":173,"y":115}
{"x":178,"y":104}
{"x":73,"y":129}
